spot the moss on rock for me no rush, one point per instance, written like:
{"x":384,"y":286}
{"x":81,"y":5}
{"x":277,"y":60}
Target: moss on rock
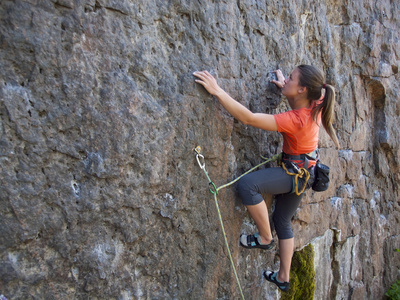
{"x":302,"y":275}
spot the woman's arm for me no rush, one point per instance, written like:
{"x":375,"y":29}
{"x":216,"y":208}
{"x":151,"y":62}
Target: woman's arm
{"x":237,"y":110}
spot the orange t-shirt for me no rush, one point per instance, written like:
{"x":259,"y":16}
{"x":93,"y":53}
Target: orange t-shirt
{"x":299,"y":130}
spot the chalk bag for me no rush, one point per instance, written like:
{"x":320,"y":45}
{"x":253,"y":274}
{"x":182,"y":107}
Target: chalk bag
{"x":321,"y":182}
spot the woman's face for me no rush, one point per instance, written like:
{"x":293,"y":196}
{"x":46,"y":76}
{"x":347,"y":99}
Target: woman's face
{"x":292,"y":87}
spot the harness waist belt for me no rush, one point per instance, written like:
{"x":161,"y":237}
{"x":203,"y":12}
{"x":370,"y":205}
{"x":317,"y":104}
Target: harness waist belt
{"x":312,"y":155}
{"x":304,"y":157}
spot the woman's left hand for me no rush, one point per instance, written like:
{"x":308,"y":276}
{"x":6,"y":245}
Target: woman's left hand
{"x":281,"y":79}
{"x":208,"y":82}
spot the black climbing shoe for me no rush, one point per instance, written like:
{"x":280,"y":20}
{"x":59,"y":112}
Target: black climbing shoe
{"x":254,"y":241}
{"x":272,"y":277}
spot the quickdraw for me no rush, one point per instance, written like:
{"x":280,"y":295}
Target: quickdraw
{"x":202,"y":165}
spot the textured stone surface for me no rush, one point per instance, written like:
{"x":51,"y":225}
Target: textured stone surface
{"x":101,"y":196}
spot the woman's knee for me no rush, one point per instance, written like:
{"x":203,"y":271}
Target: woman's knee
{"x":248,"y":192}
{"x":244,"y":186}
{"x":283,"y":227}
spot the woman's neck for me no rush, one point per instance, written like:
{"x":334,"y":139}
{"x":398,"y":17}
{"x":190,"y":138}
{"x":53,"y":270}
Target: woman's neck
{"x":299,"y":102}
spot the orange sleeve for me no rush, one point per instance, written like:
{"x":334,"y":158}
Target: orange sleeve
{"x":288,"y":122}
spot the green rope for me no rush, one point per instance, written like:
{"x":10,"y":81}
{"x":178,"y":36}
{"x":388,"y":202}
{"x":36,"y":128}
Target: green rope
{"x":276,"y":157}
{"x":214,"y":190}
{"x":227,"y":245}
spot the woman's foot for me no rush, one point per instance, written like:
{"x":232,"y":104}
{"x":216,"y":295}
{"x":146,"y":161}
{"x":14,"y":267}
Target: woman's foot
{"x":273,"y":277}
{"x":254,"y":241}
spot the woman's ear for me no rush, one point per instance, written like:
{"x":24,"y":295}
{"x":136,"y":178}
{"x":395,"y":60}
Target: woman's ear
{"x":302,"y":90}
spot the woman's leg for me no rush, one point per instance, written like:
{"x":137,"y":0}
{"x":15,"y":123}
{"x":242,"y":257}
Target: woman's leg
{"x":250,"y":188}
{"x":285,"y":208}
{"x":286,"y":254}
{"x":259,"y":213}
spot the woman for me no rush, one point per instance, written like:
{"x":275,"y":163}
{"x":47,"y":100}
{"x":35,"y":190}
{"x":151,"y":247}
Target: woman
{"x":312,"y":101}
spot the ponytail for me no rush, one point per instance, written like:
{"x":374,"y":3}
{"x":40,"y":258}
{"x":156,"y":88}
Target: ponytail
{"x":313,"y":79}
{"x":327,"y":109}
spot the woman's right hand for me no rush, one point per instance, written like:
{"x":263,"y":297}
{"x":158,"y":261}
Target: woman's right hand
{"x":208,"y":81}
{"x":281,"y":79}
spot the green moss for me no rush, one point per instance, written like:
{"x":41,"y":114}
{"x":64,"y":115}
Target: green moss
{"x":394,"y":292}
{"x":302,"y":276}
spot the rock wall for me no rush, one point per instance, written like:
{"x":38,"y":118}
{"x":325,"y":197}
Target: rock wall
{"x":101,"y":195}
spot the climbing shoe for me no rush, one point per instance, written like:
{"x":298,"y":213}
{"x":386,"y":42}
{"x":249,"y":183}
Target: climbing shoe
{"x":272,"y":277}
{"x":254,"y":241}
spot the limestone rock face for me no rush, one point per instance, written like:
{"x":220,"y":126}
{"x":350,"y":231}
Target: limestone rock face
{"x":101,"y":196}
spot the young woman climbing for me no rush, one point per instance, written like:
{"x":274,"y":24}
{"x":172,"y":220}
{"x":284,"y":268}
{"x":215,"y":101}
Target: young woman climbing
{"x":311,"y":101}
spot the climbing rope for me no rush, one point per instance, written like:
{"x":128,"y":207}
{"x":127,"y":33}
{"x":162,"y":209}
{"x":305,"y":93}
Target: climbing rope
{"x":214,"y":190}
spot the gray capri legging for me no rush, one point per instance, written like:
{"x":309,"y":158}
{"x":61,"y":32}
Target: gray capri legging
{"x":273,"y":181}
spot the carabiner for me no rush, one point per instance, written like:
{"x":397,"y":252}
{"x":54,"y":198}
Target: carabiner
{"x":201,"y":165}
{"x":213,"y":188}
{"x":199,"y":156}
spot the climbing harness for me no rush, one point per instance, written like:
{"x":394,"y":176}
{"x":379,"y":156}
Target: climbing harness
{"x":298,"y":167}
{"x":214,"y":190}
{"x":320,"y":171}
